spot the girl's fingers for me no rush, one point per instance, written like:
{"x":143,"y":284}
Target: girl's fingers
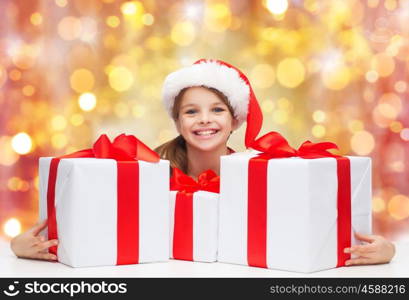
{"x":40,"y":239}
{"x":366,"y":238}
{"x":45,"y":245}
{"x":45,"y":256}
{"x":359,"y":261}
{"x":40,"y":226}
{"x":32,"y":240}
{"x":357,"y":249}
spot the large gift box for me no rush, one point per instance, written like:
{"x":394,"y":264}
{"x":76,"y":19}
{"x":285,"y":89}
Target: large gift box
{"x":108,"y":205}
{"x":194,"y":216}
{"x":289,"y":209}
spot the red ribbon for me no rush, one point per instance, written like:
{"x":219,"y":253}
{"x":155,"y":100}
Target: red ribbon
{"x":126,"y":150}
{"x":273,"y":145}
{"x":183,"y":229}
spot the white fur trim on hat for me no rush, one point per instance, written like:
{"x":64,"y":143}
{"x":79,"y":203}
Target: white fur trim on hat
{"x":209,"y":74}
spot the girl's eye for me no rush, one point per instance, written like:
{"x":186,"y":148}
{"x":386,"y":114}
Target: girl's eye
{"x":190,"y":111}
{"x":218,"y":109}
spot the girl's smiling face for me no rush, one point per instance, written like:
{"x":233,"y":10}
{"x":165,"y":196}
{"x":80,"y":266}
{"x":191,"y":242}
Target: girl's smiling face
{"x":204,"y":119}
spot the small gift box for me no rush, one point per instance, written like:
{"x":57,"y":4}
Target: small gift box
{"x":194,"y":216}
{"x":292,"y":209}
{"x":108,"y":205}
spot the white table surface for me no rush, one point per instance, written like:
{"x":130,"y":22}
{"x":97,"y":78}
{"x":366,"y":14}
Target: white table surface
{"x":11,"y":266}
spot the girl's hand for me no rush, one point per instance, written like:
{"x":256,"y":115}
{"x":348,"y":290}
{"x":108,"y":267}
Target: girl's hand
{"x":30,"y":244}
{"x":378,"y":250}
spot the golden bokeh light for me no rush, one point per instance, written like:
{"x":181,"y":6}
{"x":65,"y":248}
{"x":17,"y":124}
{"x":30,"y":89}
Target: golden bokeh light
{"x":284,"y":104}
{"x":25,"y":56}
{"x":404,"y":134}
{"x":131,"y":7}
{"x":398,"y":207}
{"x":362,"y":142}
{"x":120,"y":79}
{"x":392,"y":100}
{"x":267,"y":106}
{"x":113,"y":21}
{"x":290,"y":72}
{"x":387,"y":110}
{"x":16,"y":184}
{"x":319,"y":116}
{"x":311,"y":5}
{"x":276,"y":7}
{"x":401,"y":86}
{"x":15,"y":75}
{"x":355,"y":125}
{"x":82,"y":80}
{"x":28,"y":90}
{"x":371,"y":76}
{"x":396,"y":126}
{"x":280,"y":116}
{"x":22,"y":143}
{"x":133,"y":12}
{"x":36,"y":19}
{"x":77,"y":119}
{"x":12,"y":227}
{"x":383,"y":64}
{"x":69,"y":28}
{"x":378,"y":204}
{"x":87,"y":101}
{"x":318,"y":131}
{"x":89,"y":30}
{"x":337,"y":78}
{"x":7,"y":156}
{"x":262,"y":76}
{"x":13,"y":184}
{"x":61,"y":3}
{"x":217,"y":17}
{"x":58,"y":122}
{"x":148,"y":19}
{"x":390,"y":4}
{"x":183,"y":33}
{"x":59,"y":140}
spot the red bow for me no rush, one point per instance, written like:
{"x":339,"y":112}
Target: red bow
{"x":207,"y":181}
{"x":124,"y":148}
{"x":274,"y":145}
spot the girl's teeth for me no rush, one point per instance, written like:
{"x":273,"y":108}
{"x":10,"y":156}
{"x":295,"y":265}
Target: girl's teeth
{"x":206,"y":132}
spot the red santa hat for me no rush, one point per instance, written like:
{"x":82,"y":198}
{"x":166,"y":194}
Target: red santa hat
{"x":225,"y":78}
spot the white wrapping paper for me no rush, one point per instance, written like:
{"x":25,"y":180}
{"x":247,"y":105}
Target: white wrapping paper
{"x":86,"y":210}
{"x":205,"y":225}
{"x":301,"y":210}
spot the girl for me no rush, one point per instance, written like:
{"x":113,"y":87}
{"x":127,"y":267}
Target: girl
{"x":207,"y":101}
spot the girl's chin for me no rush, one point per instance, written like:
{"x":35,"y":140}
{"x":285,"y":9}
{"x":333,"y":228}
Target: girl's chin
{"x":207,"y":145}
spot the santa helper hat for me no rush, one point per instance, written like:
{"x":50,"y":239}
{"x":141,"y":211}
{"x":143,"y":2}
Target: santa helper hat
{"x":225,"y":78}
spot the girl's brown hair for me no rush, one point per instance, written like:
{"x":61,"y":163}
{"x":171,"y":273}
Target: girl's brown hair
{"x":175,"y":150}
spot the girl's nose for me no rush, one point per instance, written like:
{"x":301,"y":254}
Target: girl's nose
{"x":204,"y":118}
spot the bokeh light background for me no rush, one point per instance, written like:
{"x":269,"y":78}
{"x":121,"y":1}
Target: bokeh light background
{"x":334,"y":70}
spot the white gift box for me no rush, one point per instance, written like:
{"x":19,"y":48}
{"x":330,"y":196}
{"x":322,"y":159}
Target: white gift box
{"x":86,"y":210}
{"x":205,"y":225}
{"x":301,"y":210}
